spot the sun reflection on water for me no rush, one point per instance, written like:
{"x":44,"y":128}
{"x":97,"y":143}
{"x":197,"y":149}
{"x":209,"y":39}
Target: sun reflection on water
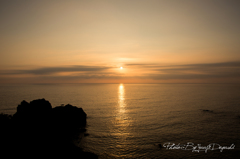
{"x":121,"y":97}
{"x":123,"y":124}
{"x":121,"y":120}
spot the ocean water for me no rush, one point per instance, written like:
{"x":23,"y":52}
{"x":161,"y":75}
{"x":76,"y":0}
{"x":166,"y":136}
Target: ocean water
{"x":131,"y":120}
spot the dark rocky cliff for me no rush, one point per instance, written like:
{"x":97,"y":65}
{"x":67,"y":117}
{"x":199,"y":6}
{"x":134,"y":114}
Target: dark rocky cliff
{"x":37,"y":129}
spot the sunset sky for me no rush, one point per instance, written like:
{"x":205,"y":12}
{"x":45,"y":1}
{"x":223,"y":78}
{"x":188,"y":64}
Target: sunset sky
{"x":87,"y":41}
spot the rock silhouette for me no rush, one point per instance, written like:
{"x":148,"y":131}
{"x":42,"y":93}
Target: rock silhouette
{"x":206,"y":110}
{"x":160,"y":145}
{"x":37,"y":128}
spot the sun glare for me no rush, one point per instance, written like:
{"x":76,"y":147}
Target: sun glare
{"x":121,"y":67}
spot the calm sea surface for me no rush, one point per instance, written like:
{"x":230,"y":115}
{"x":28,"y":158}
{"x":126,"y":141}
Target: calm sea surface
{"x":130,"y":120}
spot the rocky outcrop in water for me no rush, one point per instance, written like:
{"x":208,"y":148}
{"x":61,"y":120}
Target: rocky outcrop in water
{"x":206,"y":110}
{"x":37,"y":128}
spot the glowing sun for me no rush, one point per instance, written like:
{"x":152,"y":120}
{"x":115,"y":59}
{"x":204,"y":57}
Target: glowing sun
{"x":121,"y":67}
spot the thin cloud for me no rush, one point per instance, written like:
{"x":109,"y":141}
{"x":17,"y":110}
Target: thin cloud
{"x":199,"y":71}
{"x":54,"y":70}
{"x":191,"y":71}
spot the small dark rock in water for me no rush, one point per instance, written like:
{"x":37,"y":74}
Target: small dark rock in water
{"x":206,"y":110}
{"x":160,"y":145}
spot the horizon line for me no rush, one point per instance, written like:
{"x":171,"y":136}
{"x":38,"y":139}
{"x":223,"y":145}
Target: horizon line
{"x":102,"y":83}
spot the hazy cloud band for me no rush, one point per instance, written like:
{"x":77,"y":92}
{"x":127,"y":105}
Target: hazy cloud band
{"x":222,"y":71}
